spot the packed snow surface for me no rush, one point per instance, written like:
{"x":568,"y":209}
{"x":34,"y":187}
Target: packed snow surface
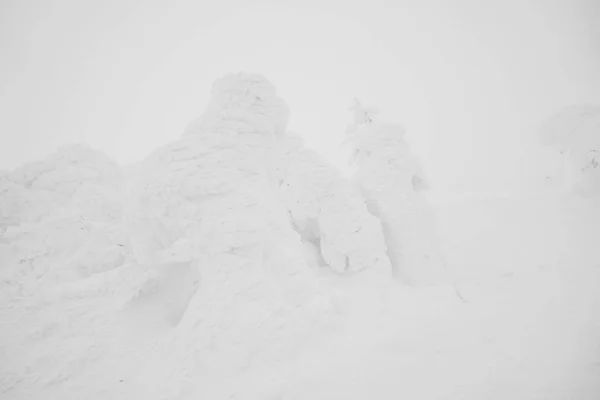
{"x":234,"y":263}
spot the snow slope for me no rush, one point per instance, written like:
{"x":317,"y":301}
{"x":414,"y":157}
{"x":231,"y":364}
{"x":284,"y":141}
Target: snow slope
{"x":529,"y":268}
{"x":234,"y":263}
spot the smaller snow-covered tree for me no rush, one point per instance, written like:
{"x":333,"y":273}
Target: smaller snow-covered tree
{"x":361,"y":116}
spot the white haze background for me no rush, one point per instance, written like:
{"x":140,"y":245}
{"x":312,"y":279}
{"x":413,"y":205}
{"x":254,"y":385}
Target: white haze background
{"x":470,"y":80}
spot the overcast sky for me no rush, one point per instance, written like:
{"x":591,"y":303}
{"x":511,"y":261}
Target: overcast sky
{"x":470,"y":80}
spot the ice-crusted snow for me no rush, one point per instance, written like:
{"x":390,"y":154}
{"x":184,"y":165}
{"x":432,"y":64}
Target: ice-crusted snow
{"x":235,"y":263}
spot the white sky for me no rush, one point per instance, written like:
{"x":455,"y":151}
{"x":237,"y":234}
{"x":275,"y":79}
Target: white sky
{"x":470,"y":80}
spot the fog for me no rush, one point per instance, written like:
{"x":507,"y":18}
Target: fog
{"x":235,"y":262}
{"x":471,"y":82}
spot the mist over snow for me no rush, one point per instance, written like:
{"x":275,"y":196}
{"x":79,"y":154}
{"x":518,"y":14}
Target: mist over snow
{"x":387,"y":202}
{"x":471,"y":83}
{"x":235,"y":261}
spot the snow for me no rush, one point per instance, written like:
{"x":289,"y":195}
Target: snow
{"x":327,"y":212}
{"x":575,"y":133}
{"x":235,"y":263}
{"x":385,"y":175}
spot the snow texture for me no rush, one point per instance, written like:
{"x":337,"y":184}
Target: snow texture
{"x":234,"y":263}
{"x":326,"y":212}
{"x":386,"y":176}
{"x":211,"y":201}
{"x":62,"y":215}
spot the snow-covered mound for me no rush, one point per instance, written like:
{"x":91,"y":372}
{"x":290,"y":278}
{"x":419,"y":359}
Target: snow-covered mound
{"x":328,"y":214}
{"x":224,"y":247}
{"x":388,"y":175}
{"x":61,"y":216}
{"x":62,"y":230}
{"x":212,"y":202}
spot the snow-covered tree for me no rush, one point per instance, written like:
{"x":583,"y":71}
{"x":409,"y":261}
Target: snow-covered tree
{"x":328,"y":214}
{"x":361,"y":116}
{"x":61,"y":216}
{"x":390,"y":177}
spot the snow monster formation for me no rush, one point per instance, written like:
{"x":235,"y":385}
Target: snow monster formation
{"x":232,"y":206}
{"x":331,"y":218}
{"x":228,"y":251}
{"x":390,"y":178}
{"x":62,"y":217}
{"x":61,"y":258}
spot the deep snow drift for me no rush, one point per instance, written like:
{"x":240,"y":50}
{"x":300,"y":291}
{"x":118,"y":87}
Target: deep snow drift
{"x":234,"y":263}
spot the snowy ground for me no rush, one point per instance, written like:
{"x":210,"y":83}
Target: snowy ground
{"x":527,"y":267}
{"x":529,"y":270}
